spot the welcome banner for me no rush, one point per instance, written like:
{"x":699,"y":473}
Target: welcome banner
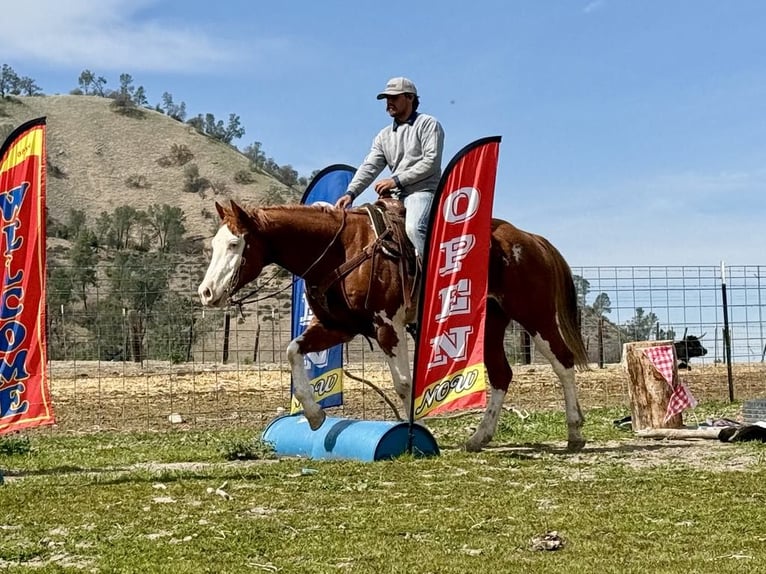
{"x":24,"y":393}
{"x":449,"y":369}
{"x":324,"y":369}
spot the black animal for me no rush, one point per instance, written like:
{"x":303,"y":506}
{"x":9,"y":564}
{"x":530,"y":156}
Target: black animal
{"x":688,"y":348}
{"x":747,"y":433}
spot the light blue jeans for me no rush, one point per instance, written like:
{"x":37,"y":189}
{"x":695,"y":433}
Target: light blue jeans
{"x":418,"y":212}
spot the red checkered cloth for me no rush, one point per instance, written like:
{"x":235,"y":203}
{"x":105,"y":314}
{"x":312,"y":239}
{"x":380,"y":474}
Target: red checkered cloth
{"x":662,"y":358}
{"x":680,"y":400}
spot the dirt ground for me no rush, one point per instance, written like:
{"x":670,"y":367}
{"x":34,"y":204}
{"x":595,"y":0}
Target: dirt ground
{"x":96,"y":396}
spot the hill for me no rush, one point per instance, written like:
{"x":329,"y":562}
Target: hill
{"x":99,"y":159}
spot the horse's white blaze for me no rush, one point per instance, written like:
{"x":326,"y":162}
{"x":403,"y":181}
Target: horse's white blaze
{"x":488,"y":424}
{"x":567,"y":378}
{"x":399,"y":361}
{"x":224,"y":263}
{"x":302,"y":388}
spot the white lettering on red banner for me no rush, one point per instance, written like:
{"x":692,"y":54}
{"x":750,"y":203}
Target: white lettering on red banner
{"x":455,"y":300}
{"x":451,"y":344}
{"x":461,"y":205}
{"x":455,"y":250}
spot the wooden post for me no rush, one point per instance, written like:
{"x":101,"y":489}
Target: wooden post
{"x":649,"y":393}
{"x":226,"y":329}
{"x":526,"y":347}
{"x":601,"y":342}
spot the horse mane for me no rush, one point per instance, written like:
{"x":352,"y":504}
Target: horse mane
{"x":261,"y":216}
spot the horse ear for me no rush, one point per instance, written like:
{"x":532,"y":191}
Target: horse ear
{"x":219,"y":209}
{"x":239,"y":213}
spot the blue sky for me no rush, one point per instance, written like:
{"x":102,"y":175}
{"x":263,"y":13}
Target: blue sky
{"x":634,"y":132}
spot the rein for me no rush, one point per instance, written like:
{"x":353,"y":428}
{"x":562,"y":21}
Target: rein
{"x":247,"y":298}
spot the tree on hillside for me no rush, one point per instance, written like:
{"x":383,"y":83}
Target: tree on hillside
{"x":129,"y":93}
{"x":59,"y":296}
{"x":84,"y":260}
{"x":123,"y":220}
{"x":216,"y":129}
{"x":90,"y":84}
{"x":172,"y":328}
{"x":177,"y":112}
{"x":639,"y":328}
{"x":582,"y":287}
{"x":138,"y":281}
{"x":168,"y":225}
{"x":8,"y":79}
{"x":273,"y":196}
{"x":602,"y":304}
{"x":11,"y":84}
{"x":139,"y":97}
{"x":194,"y":182}
{"x":26,"y":87}
{"x":77,"y":222}
{"x":287,"y":175}
{"x":254,"y":152}
{"x":105,"y":230}
{"x":663,"y":335}
{"x":59,"y":288}
{"x":143,"y":231}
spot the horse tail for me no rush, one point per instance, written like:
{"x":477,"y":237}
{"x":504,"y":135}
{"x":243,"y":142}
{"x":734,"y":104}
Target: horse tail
{"x":566,"y":309}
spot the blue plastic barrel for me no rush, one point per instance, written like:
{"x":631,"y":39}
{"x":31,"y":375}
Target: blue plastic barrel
{"x":340,"y":438}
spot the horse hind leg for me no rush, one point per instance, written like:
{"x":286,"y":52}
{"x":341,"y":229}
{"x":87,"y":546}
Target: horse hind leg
{"x":562,"y":361}
{"x":499,"y":374}
{"x":315,"y":338}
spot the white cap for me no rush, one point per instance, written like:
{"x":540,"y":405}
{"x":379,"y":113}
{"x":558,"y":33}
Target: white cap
{"x":396,"y":86}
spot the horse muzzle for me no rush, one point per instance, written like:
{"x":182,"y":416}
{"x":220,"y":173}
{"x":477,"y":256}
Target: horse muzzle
{"x":210,"y":298}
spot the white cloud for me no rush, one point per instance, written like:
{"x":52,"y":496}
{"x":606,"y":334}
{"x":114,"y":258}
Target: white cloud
{"x":108,"y":34}
{"x":593,"y":6}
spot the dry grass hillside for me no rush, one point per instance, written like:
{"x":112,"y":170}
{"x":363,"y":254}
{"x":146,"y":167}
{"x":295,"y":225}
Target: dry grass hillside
{"x":93,"y":151}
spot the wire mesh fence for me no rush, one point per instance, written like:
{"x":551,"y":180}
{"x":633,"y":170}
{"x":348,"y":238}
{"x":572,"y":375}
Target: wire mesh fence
{"x":143,"y":354}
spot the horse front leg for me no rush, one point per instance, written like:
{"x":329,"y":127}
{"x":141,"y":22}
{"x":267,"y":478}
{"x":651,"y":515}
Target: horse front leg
{"x":392,"y":339}
{"x":314,"y":339}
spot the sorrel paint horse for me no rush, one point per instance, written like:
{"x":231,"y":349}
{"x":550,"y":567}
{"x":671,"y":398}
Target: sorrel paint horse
{"x":529,"y":281}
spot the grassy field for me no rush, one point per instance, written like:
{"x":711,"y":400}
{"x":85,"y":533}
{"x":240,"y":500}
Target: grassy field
{"x":177,"y":502}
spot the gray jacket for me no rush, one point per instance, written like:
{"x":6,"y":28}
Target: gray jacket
{"x":412,"y":151}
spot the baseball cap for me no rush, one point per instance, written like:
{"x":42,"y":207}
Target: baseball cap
{"x":396,"y":86}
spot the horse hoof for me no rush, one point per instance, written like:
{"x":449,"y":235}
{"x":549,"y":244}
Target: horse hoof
{"x":318,"y":421}
{"x":575,"y":445}
{"x":475,"y":445}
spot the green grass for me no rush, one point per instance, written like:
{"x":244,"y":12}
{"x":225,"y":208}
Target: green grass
{"x":92,"y":503}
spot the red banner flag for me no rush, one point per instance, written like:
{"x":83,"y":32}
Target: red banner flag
{"x":24,"y":393}
{"x":449,"y":356}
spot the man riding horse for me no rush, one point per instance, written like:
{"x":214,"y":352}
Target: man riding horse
{"x":411,"y":146}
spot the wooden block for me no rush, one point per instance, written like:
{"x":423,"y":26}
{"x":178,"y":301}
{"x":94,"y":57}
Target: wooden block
{"x":649,"y":393}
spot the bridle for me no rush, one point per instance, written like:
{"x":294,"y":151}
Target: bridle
{"x":252,"y":295}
